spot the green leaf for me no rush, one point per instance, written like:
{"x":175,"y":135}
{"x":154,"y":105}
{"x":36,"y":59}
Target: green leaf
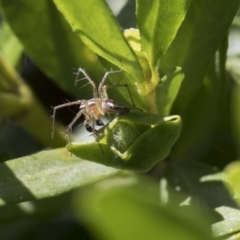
{"x":134,"y":141}
{"x":133,"y":37}
{"x":167,"y":90}
{"x":196,"y":42}
{"x":10,"y":46}
{"x":47,"y":174}
{"x":205,"y":184}
{"x":49,"y":41}
{"x":200,"y":181}
{"x":42,"y":208}
{"x":230,"y":224}
{"x":99,"y":30}
{"x":233,"y":179}
{"x":158,"y":22}
{"x":202,"y":118}
{"x":127,"y":207}
{"x":101,"y":33}
{"x":233,"y":67}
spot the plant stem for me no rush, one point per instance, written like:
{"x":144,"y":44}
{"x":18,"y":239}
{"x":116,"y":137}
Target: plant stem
{"x":18,"y":103}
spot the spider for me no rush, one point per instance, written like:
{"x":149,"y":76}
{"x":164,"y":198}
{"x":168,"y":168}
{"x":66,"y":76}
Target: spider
{"x":96,"y":107}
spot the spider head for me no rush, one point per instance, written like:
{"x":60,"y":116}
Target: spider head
{"x":110,"y":106}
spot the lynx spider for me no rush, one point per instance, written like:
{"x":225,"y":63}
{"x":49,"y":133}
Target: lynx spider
{"x":96,"y":107}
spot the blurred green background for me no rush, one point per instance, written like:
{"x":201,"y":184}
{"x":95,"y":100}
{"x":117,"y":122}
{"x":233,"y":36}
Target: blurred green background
{"x":111,"y":204}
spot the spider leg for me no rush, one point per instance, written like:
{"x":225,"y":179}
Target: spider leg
{"x":69,"y":127}
{"x":100,"y":147}
{"x":105,"y":87}
{"x":101,"y":85}
{"x":80,"y":70}
{"x":78,"y":102}
{"x":92,"y":129}
{"x":106,"y":75}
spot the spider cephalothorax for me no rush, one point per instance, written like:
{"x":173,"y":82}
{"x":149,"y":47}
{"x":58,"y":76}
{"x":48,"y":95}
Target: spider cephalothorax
{"x":96,"y":107}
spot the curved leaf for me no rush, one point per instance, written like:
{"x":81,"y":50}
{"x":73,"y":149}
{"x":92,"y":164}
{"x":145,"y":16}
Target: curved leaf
{"x":135,"y":141}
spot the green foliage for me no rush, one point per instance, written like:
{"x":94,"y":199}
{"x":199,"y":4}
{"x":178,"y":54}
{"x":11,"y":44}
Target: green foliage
{"x":184,"y":129}
{"x":54,"y":171}
{"x":158,"y":23}
{"x":233,"y":179}
{"x":49,"y":40}
{"x":195,"y":44}
{"x":133,"y":203}
{"x":131,"y":140}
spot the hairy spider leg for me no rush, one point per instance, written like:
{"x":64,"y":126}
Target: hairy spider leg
{"x":105,"y":87}
{"x":78,"y":102}
{"x":94,"y":131}
{"x":102,"y":89}
{"x":101,"y":84}
{"x":80,"y":70}
{"x":69,"y":127}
